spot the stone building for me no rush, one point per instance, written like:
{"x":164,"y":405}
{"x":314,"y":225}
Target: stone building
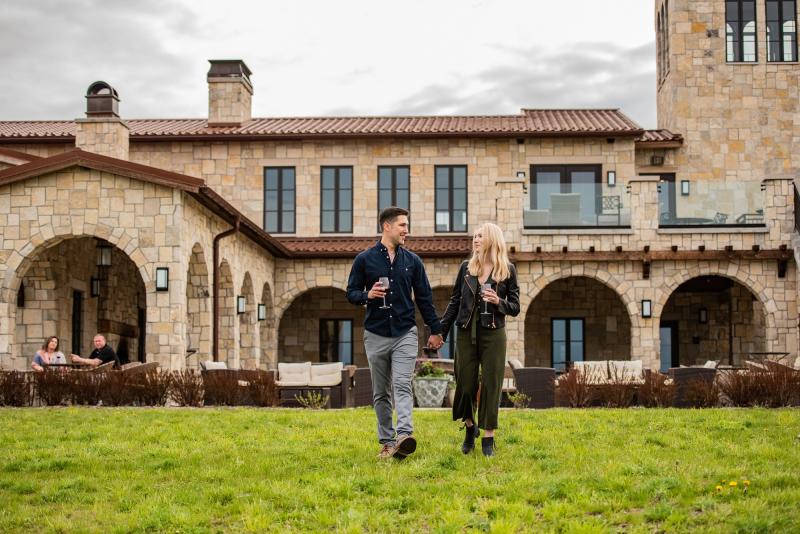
{"x":231,"y":237}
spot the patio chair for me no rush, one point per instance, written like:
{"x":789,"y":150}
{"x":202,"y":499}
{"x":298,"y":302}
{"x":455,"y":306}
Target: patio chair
{"x":565,"y":209}
{"x":610,"y":211}
{"x":361,"y":387}
{"x":538,"y":383}
{"x":720,"y":218}
{"x":683,"y":377}
{"x":534,"y":218}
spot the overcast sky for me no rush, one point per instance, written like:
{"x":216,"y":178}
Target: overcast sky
{"x":323,"y":57}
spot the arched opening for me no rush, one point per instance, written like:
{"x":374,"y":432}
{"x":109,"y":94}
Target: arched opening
{"x":73,"y":289}
{"x":576,"y":319}
{"x":198,"y":309}
{"x":269,"y":353}
{"x":711,"y":318}
{"x":320,"y":325}
{"x":248,"y":351}
{"x":227,"y":309}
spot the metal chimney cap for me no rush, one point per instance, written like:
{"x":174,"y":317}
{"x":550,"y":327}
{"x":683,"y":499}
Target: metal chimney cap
{"x":102,"y":100}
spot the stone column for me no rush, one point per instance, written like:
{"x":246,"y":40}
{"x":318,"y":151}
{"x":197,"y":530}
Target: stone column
{"x":107,"y":136}
{"x":779,"y":209}
{"x":510,"y":200}
{"x":644,"y":208}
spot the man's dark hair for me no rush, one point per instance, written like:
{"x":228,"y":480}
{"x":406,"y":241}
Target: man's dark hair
{"x":390,"y":214}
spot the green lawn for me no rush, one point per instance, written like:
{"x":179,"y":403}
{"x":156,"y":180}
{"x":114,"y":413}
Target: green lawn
{"x":198,"y":470}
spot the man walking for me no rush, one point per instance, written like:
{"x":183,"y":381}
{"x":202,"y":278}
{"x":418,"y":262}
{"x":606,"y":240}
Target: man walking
{"x":390,"y":332}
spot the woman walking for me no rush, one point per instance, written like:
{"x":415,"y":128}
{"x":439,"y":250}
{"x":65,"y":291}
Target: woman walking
{"x":485,"y":292}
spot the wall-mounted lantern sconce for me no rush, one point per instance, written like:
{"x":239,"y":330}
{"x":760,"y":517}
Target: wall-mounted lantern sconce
{"x":685,"y":187}
{"x":647,"y":308}
{"x":162,"y":279}
{"x":103,"y":254}
{"x":702,"y":316}
{"x":611,"y":178}
{"x":656,"y":161}
{"x":520,"y":174}
{"x":240,"y":303}
{"x":262,"y":312}
{"x":94,"y":287}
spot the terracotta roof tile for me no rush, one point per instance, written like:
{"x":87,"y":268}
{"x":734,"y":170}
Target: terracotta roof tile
{"x":659,"y":136}
{"x":349,"y":247}
{"x":532,"y":122}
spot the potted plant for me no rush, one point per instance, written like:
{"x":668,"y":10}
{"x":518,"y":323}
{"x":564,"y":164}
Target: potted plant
{"x":430,"y":385}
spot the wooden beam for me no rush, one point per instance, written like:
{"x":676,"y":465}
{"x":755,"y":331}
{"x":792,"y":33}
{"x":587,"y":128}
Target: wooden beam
{"x":657,"y":255}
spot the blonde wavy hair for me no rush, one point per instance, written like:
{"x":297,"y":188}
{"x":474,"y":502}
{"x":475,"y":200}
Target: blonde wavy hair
{"x":493,"y":251}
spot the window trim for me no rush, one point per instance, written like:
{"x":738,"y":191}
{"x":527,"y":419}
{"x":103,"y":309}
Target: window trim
{"x":781,"y":34}
{"x":393,"y":168}
{"x":336,"y":209}
{"x":739,"y":47}
{"x":335,"y":341}
{"x":280,"y":200}
{"x":450,"y":189}
{"x":568,"y":341}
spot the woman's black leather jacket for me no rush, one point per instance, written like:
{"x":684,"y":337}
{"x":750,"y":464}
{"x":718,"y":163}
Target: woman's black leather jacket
{"x":467,"y":289}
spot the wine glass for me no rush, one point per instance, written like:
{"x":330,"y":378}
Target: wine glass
{"x":484,"y":287}
{"x":384,"y":282}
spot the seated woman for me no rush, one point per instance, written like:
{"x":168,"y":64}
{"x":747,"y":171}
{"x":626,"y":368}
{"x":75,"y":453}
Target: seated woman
{"x":48,"y":354}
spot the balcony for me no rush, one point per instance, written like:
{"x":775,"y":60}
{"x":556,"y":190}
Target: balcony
{"x":691,"y":204}
{"x":583,"y":206}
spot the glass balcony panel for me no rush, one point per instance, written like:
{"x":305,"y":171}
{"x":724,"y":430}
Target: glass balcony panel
{"x":582,"y":203}
{"x":708,"y":203}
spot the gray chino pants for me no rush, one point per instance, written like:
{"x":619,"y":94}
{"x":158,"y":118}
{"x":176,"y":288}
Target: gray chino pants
{"x":391,"y":366}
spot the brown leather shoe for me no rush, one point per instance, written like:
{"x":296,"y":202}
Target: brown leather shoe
{"x":387,"y":451}
{"x":405,"y":445}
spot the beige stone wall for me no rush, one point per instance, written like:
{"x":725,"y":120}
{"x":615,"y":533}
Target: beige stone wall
{"x":738,"y":119}
{"x":106,"y":136}
{"x":229,"y":101}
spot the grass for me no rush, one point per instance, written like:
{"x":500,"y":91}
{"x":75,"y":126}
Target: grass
{"x":240,"y":469}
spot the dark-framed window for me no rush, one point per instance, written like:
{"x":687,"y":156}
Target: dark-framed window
{"x":336,"y":206}
{"x":451,"y":198}
{"x":336,"y":340}
{"x":781,"y":30}
{"x":279,"y":199}
{"x":662,"y":42}
{"x":547,"y":180}
{"x":394,"y":187}
{"x":740,"y":31}
{"x":567,"y":335}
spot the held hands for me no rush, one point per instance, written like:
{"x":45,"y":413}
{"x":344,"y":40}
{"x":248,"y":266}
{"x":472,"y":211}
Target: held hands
{"x":490,"y":296}
{"x":377,"y":291}
{"x":436,"y":341}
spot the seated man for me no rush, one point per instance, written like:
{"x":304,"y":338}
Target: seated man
{"x":102,"y":353}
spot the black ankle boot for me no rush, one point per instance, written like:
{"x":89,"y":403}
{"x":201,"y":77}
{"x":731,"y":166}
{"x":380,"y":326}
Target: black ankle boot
{"x":487,"y":445}
{"x":471,"y":432}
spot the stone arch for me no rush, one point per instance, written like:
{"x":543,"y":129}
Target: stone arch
{"x":297,"y":289}
{"x":61,"y":269}
{"x":226,"y":351}
{"x":589,"y":309}
{"x":267,"y":333}
{"x":300,"y":323}
{"x":248,"y":341}
{"x":198,"y":306}
{"x":757,"y":332}
{"x":622,"y":289}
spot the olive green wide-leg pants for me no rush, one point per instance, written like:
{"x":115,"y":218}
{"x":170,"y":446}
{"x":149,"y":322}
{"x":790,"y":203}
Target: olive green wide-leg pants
{"x":481,"y":361}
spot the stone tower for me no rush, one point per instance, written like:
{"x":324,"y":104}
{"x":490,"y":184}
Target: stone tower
{"x":729,"y":82}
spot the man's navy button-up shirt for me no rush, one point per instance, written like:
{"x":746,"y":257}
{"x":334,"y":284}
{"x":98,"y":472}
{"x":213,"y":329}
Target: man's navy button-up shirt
{"x":406,"y":275}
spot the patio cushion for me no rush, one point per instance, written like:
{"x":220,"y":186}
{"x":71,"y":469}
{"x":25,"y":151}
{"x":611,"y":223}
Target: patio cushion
{"x":515,"y":363}
{"x":710,"y":364}
{"x":326,"y":374}
{"x":213,"y":366}
{"x":596,"y":372}
{"x":293,"y":374}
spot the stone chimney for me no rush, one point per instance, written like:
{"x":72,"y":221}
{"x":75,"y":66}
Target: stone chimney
{"x":230,"y":93}
{"x":102,"y":131}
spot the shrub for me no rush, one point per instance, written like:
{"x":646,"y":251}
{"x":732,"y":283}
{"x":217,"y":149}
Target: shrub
{"x":781,"y":385}
{"x":427,"y":370}
{"x":657,"y":391}
{"x":114,"y":389}
{"x":701,"y":393}
{"x":187,"y":388}
{"x":312,"y":400}
{"x":519,"y":400}
{"x":53,"y":386}
{"x":618,"y":392}
{"x":15,"y":389}
{"x":150,"y":388}
{"x":743,"y":388}
{"x":221,"y":387}
{"x":573,"y":390}
{"x":262,"y":388}
{"x":87,"y":387}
